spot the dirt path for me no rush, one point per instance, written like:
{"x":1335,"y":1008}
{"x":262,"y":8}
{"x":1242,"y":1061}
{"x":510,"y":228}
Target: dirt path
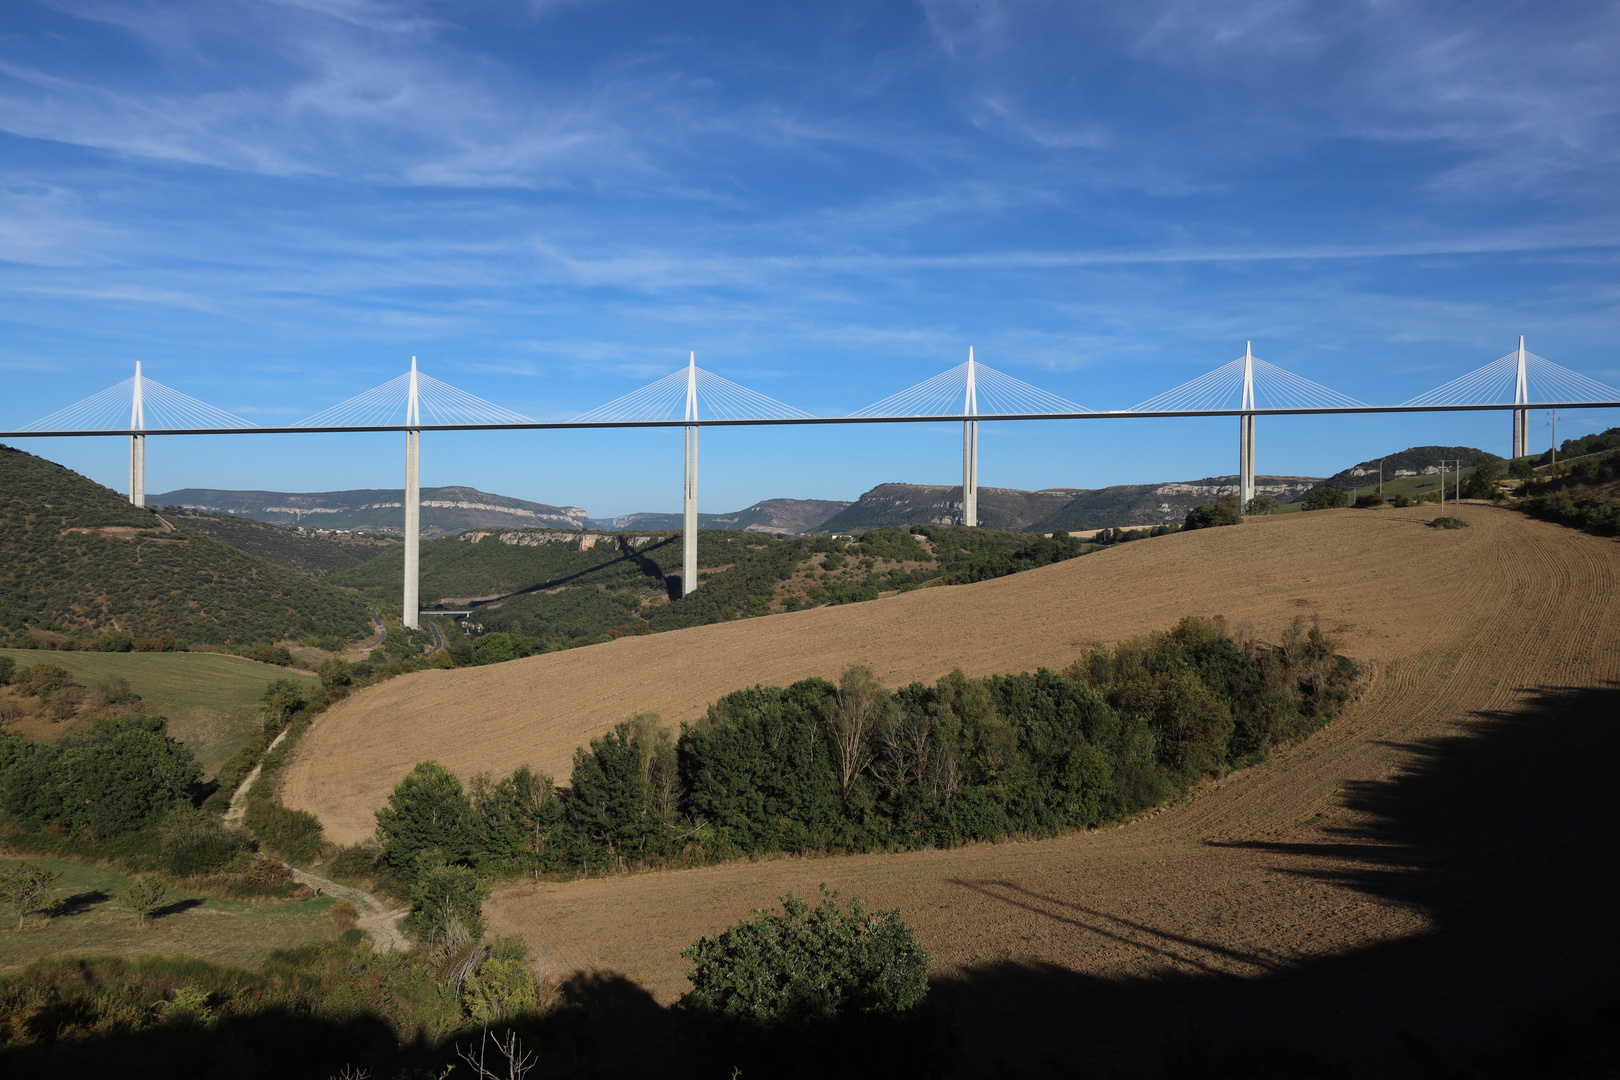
{"x":379,"y":922}
{"x":238,"y":807}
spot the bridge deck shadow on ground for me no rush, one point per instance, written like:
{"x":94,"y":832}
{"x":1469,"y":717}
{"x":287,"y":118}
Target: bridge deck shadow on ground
{"x":1503,"y":838}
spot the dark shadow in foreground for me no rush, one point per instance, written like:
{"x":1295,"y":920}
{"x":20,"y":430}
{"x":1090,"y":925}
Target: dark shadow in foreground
{"x":1504,"y":837}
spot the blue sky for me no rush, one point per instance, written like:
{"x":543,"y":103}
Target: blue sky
{"x":274,"y":205}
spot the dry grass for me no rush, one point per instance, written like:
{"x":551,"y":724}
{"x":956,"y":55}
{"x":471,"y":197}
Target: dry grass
{"x":1390,"y":872}
{"x":1374,"y":577}
{"x":91,"y":922}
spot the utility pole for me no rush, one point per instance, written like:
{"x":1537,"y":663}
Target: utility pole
{"x":689,"y":520}
{"x":1554,"y":415}
{"x":137,"y":443}
{"x":970,"y":448}
{"x":1380,"y":478}
{"x":413,"y":504}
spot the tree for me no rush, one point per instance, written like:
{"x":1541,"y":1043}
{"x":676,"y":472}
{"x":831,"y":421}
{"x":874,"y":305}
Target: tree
{"x":427,"y":810}
{"x":624,"y":790}
{"x":1262,"y":504}
{"x":1482,"y":481}
{"x":124,"y":775}
{"x":22,"y":887}
{"x":8,"y":667}
{"x":335,"y":671}
{"x":282,"y":698}
{"x":1326,"y":498}
{"x":852,"y":713}
{"x":143,"y":896}
{"x":1209,"y":515}
{"x":806,"y":964}
{"x":1520,"y":469}
{"x":448,"y":900}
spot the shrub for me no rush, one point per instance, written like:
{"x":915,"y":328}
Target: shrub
{"x":1403,"y":500}
{"x":64,"y":703}
{"x":190,"y":852}
{"x":295,"y":834}
{"x":115,"y":690}
{"x":806,"y":964}
{"x":1370,"y":500}
{"x":115,"y":641}
{"x":1263,"y":504}
{"x":499,"y":990}
{"x":8,"y":668}
{"x":335,"y":671}
{"x":1448,"y":523}
{"x":272,"y":654}
{"x":447,"y":899}
{"x":344,"y":916}
{"x":1326,"y":498}
{"x":37,"y":680}
{"x":1223,"y":511}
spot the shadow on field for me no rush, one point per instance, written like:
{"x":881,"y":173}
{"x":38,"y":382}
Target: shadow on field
{"x":78,"y":903}
{"x":1503,"y":837}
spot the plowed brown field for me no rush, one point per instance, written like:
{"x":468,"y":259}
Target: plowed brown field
{"x":1392,"y":871}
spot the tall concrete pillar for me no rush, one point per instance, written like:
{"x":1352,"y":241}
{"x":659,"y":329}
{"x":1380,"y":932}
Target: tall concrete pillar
{"x":1246,"y":433}
{"x":689,"y":519}
{"x":413,"y":507}
{"x":137,"y":443}
{"x":970,"y":447}
{"x":1521,"y":417}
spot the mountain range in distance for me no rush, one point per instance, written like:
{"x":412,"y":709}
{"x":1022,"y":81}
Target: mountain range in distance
{"x":450,"y":510}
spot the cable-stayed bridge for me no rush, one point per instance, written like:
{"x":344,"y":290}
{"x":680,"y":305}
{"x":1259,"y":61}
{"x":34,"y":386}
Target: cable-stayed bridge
{"x":691,"y":398}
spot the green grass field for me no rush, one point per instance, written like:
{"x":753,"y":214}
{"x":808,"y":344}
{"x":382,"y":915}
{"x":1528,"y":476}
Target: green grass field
{"x":211,"y":700}
{"x":89,"y":921}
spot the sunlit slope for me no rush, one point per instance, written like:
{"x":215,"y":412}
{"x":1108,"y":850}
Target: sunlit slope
{"x":1380,"y":581}
{"x":1433,"y":862}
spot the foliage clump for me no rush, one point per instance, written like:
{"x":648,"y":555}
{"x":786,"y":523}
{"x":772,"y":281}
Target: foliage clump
{"x":1325,"y":498}
{"x":804,"y":964}
{"x":1223,"y":511}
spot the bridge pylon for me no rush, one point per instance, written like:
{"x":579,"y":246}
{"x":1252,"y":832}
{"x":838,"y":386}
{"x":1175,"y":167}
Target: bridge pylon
{"x":137,"y":443}
{"x":1521,"y":395}
{"x":689,"y":496}
{"x":413,"y":503}
{"x":970,"y":446}
{"x":1246,"y":433}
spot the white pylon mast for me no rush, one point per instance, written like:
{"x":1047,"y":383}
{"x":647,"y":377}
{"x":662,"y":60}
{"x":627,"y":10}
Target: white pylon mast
{"x":137,"y":443}
{"x":970,"y":447}
{"x":689,"y":520}
{"x":413,"y":504}
{"x":1246,"y":432}
{"x":1521,"y":417}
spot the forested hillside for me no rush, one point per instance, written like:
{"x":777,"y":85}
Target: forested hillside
{"x":77,"y":557}
{"x":569,"y":588}
{"x":317,"y":553}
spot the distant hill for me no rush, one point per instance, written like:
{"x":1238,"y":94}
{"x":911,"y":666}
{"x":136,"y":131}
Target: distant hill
{"x":793,"y":517}
{"x":308,"y":551}
{"x":1415,"y":460}
{"x":928,"y":504}
{"x":445,"y":510}
{"x":1062,"y":509}
{"x":77,"y":557}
